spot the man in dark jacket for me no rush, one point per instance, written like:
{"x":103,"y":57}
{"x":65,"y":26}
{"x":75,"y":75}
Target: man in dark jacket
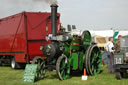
{"x":117,"y":44}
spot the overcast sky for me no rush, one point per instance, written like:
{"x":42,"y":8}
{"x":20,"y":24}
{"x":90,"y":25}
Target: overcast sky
{"x":85,"y":14}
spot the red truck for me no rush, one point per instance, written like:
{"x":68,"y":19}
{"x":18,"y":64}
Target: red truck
{"x":21,"y":36}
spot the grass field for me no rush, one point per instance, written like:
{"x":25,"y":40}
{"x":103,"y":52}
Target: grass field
{"x":9,"y":76}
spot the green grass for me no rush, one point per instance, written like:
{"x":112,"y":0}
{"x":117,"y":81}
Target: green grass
{"x":9,"y":76}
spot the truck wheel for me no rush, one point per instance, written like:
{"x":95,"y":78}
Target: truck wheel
{"x":122,"y":74}
{"x":0,"y":63}
{"x":118,"y":76}
{"x":13,"y":63}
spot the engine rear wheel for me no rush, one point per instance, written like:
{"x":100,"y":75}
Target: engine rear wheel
{"x":93,"y":60}
{"x":62,"y":67}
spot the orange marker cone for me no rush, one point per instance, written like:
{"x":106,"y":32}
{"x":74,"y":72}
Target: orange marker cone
{"x":84,"y":72}
{"x":84,"y":77}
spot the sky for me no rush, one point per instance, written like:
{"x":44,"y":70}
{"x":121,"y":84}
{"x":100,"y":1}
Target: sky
{"x":85,"y":14}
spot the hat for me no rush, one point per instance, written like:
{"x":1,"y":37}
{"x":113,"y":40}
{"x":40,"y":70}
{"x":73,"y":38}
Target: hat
{"x":119,"y":36}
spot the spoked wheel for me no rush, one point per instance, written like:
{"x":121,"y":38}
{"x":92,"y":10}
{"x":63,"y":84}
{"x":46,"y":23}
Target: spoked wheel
{"x":62,"y":67}
{"x":41,"y":67}
{"x":93,"y":60}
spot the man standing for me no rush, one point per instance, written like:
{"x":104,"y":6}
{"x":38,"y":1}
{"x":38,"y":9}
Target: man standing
{"x":117,"y":44}
{"x":109,"y":47}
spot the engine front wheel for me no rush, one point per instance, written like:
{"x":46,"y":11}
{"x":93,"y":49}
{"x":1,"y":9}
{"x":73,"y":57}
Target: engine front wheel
{"x":62,"y":67}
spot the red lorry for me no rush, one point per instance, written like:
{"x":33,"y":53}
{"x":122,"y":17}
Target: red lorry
{"x":21,"y":36}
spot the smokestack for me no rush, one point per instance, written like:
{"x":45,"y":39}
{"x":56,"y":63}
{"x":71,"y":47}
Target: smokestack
{"x":54,"y":18}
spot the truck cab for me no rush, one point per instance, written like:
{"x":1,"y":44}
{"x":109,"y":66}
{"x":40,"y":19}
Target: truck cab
{"x":121,"y":58}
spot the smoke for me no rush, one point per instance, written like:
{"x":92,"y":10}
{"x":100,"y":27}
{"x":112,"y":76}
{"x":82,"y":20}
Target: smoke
{"x":10,"y":7}
{"x":48,"y":1}
{"x":51,"y":1}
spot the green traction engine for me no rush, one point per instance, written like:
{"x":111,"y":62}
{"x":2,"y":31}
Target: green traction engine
{"x":78,"y":53}
{"x":71,"y":52}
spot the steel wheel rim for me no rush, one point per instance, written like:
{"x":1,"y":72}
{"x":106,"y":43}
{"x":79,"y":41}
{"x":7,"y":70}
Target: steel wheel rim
{"x":86,"y":60}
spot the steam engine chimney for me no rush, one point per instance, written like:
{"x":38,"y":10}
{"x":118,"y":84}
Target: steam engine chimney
{"x":54,"y":18}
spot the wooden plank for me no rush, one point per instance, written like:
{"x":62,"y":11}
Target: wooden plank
{"x":30,"y":73}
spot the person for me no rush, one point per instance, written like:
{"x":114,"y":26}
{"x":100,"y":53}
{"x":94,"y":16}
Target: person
{"x":109,"y":47}
{"x":117,"y":45}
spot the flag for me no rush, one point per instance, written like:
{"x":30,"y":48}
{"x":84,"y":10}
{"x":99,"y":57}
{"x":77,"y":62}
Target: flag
{"x":115,"y":36}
